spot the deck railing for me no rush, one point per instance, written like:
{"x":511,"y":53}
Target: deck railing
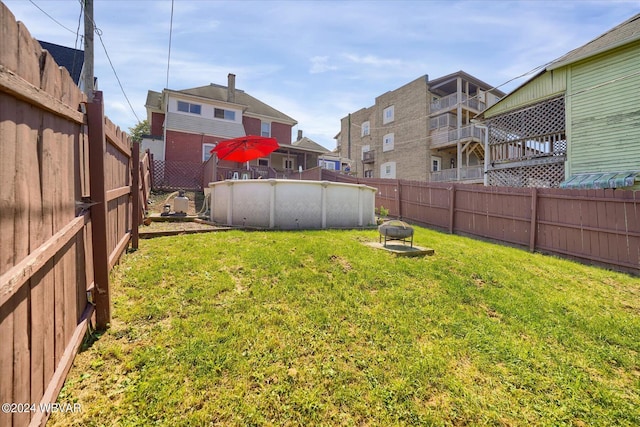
{"x":447,"y":136}
{"x":449,"y":101}
{"x":369,"y":156}
{"x":467,"y":173}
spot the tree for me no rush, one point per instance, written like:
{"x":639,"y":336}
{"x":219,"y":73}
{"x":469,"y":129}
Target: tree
{"x":142,"y":128}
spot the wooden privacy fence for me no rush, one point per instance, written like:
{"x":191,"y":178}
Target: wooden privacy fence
{"x":65,"y":219}
{"x":599,"y":226}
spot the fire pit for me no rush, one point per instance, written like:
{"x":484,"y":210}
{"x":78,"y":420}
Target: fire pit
{"x":395,"y":230}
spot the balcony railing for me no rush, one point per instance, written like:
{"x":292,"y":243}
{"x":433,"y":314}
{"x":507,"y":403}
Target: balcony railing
{"x":467,"y":173}
{"x":448,"y":136}
{"x":369,"y":156}
{"x":529,"y":148}
{"x":450,"y":101}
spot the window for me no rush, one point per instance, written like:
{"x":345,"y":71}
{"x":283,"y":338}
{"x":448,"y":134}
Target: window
{"x":186,"y":107}
{"x":387,"y":115}
{"x":206,"y":151}
{"x":265,"y":129}
{"x":220,"y":113}
{"x":365,"y":148}
{"x":327,"y":164}
{"x":387,"y":142}
{"x":388,"y":170}
{"x":368,"y":174}
{"x":365,"y":129}
{"x":435,"y":163}
{"x":287,"y":164}
{"x":263,"y":162}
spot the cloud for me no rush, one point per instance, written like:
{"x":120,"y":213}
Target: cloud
{"x":319,"y":64}
{"x":372,"y":60}
{"x":317,"y":61}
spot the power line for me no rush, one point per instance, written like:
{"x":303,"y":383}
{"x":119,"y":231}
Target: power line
{"x":78,"y":36}
{"x":170,"y":34}
{"x":430,"y":137}
{"x":567,"y":95}
{"x":99,"y":33}
{"x":52,"y":18}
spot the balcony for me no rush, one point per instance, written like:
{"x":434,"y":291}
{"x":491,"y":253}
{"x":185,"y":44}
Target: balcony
{"x":445,"y":137}
{"x":369,"y":156}
{"x":450,"y":101}
{"x":470,"y":174}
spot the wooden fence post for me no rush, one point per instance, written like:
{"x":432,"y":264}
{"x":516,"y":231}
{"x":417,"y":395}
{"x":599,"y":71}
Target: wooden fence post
{"x":534,"y":214}
{"x":452,"y":206}
{"x":97,"y":149}
{"x":135,"y":194}
{"x":151,"y":167}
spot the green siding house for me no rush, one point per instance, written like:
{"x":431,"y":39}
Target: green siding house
{"x":577,"y":123}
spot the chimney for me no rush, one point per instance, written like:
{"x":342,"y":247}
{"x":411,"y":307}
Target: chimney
{"x":231,"y":88}
{"x":299,"y":134}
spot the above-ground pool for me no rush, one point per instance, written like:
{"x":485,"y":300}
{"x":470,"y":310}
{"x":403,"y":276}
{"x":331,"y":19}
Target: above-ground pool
{"x":291,"y":204}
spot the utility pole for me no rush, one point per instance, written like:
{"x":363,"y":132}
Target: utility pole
{"x":88,"y":49}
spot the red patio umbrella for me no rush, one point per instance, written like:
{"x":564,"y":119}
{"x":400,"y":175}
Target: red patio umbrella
{"x":245,"y":148}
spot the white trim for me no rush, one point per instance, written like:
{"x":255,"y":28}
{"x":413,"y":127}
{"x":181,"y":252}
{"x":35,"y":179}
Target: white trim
{"x":366,"y":128}
{"x":262,"y":123}
{"x":387,"y":142}
{"x":206,"y":150}
{"x":436,"y":161}
{"x":388,"y":115}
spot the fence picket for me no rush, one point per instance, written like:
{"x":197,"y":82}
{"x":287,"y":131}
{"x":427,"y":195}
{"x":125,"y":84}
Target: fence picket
{"x":46,"y":253}
{"x":595,"y":226}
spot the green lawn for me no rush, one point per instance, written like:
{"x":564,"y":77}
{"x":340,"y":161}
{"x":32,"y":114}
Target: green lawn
{"x":315,"y":328}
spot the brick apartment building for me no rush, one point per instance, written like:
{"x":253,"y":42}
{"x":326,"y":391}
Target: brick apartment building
{"x":421,"y":131}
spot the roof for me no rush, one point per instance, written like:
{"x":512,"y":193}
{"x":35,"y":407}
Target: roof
{"x":627,"y":32}
{"x":253,"y":105}
{"x":601,"y":180}
{"x":309,"y":145}
{"x":451,"y":77}
{"x":69,"y":58}
{"x":154,"y":100}
{"x":620,"y":35}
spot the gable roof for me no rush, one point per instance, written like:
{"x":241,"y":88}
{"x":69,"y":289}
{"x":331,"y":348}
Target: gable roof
{"x":620,"y":35}
{"x":69,"y":58}
{"x":154,"y":100}
{"x":310,"y":145}
{"x":625,"y":33}
{"x":253,"y":105}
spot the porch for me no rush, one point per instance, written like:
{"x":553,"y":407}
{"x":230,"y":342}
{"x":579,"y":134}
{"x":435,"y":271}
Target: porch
{"x":449,"y":136}
{"x":468,"y":175}
{"x":450,"y":102}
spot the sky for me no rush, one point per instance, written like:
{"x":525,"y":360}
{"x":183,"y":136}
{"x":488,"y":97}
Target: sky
{"x":315,"y":61}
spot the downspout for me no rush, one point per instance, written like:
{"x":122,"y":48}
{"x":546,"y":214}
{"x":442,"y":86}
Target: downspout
{"x":459,"y":128}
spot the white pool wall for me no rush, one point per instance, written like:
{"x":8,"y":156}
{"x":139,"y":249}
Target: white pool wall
{"x":292,"y":204}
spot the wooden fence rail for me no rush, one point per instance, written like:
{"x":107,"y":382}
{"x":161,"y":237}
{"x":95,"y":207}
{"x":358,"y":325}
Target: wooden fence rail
{"x":595,"y":226}
{"x":65,"y":219}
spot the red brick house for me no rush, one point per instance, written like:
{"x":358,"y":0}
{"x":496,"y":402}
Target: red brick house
{"x":186,"y":124}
